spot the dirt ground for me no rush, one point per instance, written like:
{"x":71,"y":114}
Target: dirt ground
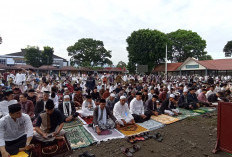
{"x":192,"y":137}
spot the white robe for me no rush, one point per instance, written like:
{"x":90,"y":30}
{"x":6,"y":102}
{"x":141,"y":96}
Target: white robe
{"x":122,"y":112}
{"x":4,"y":106}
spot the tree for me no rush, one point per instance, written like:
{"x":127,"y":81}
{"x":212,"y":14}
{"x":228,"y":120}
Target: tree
{"x":146,"y":47}
{"x":89,"y":52}
{"x":33,"y":56}
{"x":186,"y":44}
{"x":228,"y":47}
{"x":47,"y":55}
{"x":0,"y":40}
{"x":205,"y":57}
{"x":121,"y":64}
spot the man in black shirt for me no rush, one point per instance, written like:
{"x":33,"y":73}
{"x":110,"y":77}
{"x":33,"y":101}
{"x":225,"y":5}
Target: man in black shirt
{"x":49,"y":124}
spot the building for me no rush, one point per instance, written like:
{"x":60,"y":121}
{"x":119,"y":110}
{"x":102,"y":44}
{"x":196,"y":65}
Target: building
{"x":192,"y":66}
{"x":17,"y":58}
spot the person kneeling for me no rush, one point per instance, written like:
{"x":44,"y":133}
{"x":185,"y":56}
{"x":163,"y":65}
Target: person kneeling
{"x":103,"y":119}
{"x":16,"y":132}
{"x":49,"y":124}
{"x":122,"y":113}
{"x":67,"y":108}
{"x":169,"y":106}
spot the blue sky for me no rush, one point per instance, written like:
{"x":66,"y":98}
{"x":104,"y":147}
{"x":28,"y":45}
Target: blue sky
{"x":59,"y":23}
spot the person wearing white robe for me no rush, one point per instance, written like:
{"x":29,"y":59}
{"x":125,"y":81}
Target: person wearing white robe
{"x":20,"y":79}
{"x":7,"y":102}
{"x":122,"y":113}
{"x":87,"y":107}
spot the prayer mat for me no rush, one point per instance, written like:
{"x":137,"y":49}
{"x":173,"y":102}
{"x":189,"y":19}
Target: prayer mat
{"x":51,"y":149}
{"x":208,"y":109}
{"x":186,"y":113}
{"x":88,"y":120}
{"x":114,"y":134}
{"x":73,"y":123}
{"x":200,"y":111}
{"x":139,"y":130}
{"x":131,"y":127}
{"x":164,"y":119}
{"x":78,"y":137}
{"x":20,"y":154}
{"x":151,"y":125}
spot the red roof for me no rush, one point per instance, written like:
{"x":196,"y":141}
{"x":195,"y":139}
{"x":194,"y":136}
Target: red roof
{"x":217,"y":64}
{"x":170,"y":67}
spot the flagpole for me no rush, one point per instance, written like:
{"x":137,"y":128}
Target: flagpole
{"x":166,"y":60}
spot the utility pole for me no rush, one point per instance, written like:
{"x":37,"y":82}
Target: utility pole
{"x":166,"y":60}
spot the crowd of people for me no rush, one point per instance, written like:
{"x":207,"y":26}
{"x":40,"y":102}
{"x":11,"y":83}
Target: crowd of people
{"x":46,"y":102}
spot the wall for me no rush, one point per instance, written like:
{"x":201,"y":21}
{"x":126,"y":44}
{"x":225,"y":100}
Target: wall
{"x":192,"y":62}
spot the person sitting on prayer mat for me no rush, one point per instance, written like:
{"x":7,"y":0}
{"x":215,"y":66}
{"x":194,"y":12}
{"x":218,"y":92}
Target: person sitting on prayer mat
{"x":151,"y":106}
{"x":67,"y":108}
{"x":192,"y":100}
{"x":9,"y":100}
{"x":183,"y":100}
{"x":122,"y":113}
{"x":103,"y":118}
{"x":137,"y":109}
{"x":87,"y":107}
{"x":169,"y":106}
{"x":49,"y":124}
{"x":16,"y":132}
{"x":40,"y":105}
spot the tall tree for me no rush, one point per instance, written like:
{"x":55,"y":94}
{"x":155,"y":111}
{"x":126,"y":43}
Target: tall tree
{"x":33,"y":56}
{"x":121,"y":64}
{"x":228,"y":47}
{"x":47,"y":55}
{"x":146,"y":47}
{"x":0,"y":40}
{"x":205,"y":57}
{"x":186,"y":44}
{"x":89,"y":52}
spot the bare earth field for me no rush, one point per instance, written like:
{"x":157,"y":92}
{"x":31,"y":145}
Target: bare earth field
{"x":192,"y":137}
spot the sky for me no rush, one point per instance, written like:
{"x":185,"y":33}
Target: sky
{"x":61,"y":23}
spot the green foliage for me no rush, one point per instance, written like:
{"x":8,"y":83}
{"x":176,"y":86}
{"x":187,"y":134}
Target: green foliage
{"x":35,"y":57}
{"x":146,"y":47}
{"x":205,"y":57}
{"x":186,"y":44}
{"x":89,"y":52}
{"x":47,"y":55}
{"x":228,"y":47}
{"x":121,"y":64}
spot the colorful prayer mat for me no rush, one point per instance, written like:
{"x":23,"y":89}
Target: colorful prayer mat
{"x":73,"y":123}
{"x":78,"y":137}
{"x":208,"y":109}
{"x":164,"y":119}
{"x":139,"y":130}
{"x":51,"y":149}
{"x":151,"y":125}
{"x":186,"y":113}
{"x":88,"y":120}
{"x":115,"y":134}
{"x":20,"y":154}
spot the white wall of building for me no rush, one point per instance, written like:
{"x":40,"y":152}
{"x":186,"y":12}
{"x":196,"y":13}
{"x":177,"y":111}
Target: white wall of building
{"x":192,"y":63}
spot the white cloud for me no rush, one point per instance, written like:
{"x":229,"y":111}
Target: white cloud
{"x":61,"y":23}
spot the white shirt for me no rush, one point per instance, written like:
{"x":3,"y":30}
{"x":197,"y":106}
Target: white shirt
{"x":121,"y":111}
{"x":209,"y":93}
{"x":4,"y":106}
{"x":11,"y":130}
{"x":136,"y":107}
{"x":19,"y":78}
{"x":85,"y":105}
{"x":55,"y":100}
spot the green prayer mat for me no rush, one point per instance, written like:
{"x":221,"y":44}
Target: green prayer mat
{"x":200,"y":111}
{"x":73,"y":123}
{"x":78,"y":137}
{"x":186,"y":114}
{"x":208,"y":109}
